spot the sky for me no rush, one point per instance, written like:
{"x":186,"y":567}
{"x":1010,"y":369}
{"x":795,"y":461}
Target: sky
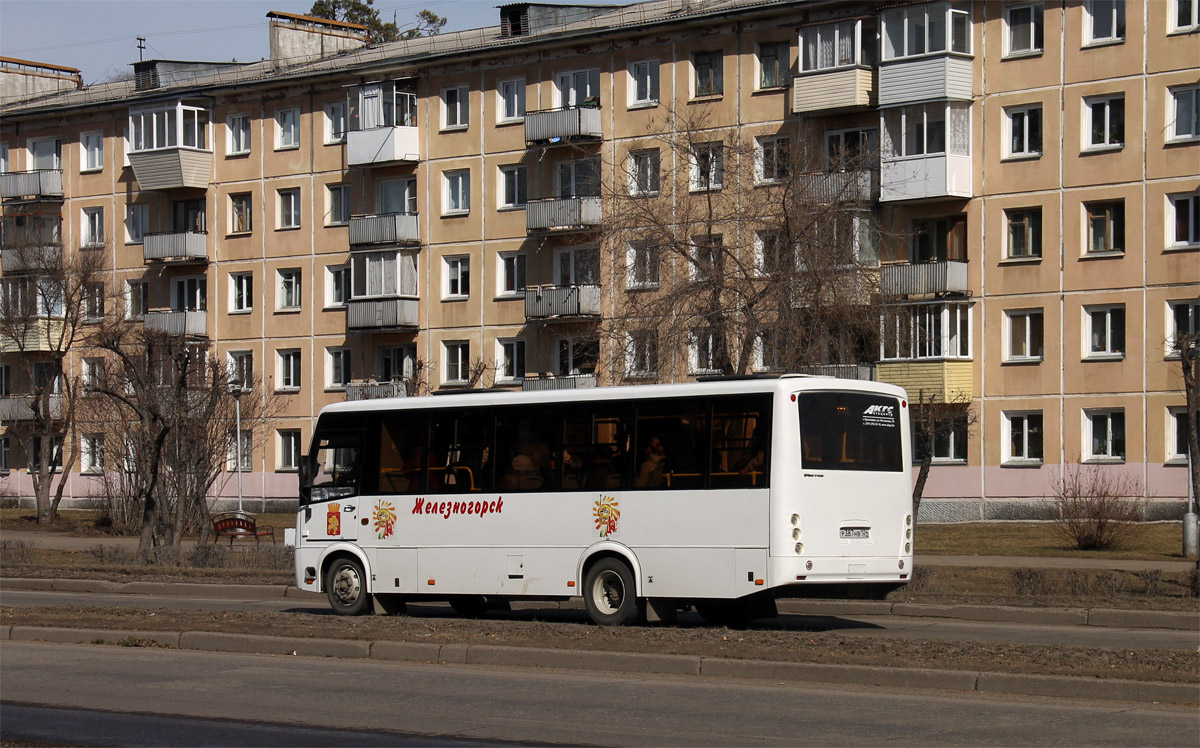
{"x":99,"y":36}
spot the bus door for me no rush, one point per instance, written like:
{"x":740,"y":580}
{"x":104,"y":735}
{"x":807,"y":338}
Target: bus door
{"x":331,"y":480}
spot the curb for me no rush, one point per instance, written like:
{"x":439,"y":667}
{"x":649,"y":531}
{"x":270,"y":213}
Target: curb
{"x":1058,"y":686}
{"x":1100,"y":617}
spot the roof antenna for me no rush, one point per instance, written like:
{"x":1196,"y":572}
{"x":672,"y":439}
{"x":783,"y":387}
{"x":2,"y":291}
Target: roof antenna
{"x":141,"y":47}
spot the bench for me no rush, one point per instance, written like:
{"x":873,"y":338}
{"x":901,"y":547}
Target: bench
{"x":235,"y":525}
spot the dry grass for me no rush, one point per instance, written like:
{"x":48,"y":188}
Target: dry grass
{"x":1158,"y":541}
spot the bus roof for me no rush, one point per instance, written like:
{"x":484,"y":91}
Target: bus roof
{"x":481,"y":398}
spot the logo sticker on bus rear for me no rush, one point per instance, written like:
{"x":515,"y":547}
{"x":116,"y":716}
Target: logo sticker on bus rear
{"x":606,"y":514}
{"x":879,"y":415}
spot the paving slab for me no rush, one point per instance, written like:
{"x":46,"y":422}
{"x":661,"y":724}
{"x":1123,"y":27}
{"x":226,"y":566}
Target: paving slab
{"x":1143,"y":619}
{"x":258,"y":644}
{"x":625,"y":662}
{"x":852,"y":674}
{"x":1062,"y":686}
{"x":996,"y":613}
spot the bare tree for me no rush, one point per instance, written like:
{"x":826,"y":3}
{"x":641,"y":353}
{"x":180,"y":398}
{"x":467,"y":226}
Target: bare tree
{"x":48,"y":298}
{"x":936,"y":421}
{"x":1188,"y":347}
{"x":744,"y":252}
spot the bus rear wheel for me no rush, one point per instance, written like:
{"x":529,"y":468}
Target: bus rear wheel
{"x":346,"y":587}
{"x":609,"y":593}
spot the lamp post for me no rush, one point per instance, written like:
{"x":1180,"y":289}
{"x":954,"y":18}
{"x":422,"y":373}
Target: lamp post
{"x":236,"y":391}
{"x":1191,"y":521}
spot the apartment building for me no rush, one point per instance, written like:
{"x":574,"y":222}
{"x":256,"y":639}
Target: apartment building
{"x":348,"y":217}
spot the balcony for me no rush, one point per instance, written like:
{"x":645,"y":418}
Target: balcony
{"x":31,"y":233}
{"x":567,"y":382}
{"x":171,"y":168}
{"x":544,"y":302}
{"x":190,"y":324}
{"x":19,"y":408}
{"x":861,"y":372}
{"x":43,"y":183}
{"x":41,"y":335}
{"x":30,"y":259}
{"x":383,"y":145}
{"x":387,"y":228}
{"x":925,"y":278}
{"x":926,"y":177}
{"x":381,"y":314}
{"x":180,"y":246}
{"x":937,"y":77}
{"x":951,"y":381}
{"x":837,"y":187}
{"x":562,"y":213}
{"x":840,"y":89}
{"x":558,"y":125}
{"x":375,"y":390}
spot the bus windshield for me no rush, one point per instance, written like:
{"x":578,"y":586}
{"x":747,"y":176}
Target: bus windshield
{"x":850,"y":431}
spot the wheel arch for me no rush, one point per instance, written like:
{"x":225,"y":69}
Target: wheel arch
{"x":609,"y":549}
{"x":343,"y":550}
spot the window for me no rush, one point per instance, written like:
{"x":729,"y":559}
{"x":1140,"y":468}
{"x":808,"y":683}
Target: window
{"x":1024,"y":26}
{"x":708,"y":67}
{"x":398,"y":196}
{"x":512,"y":186}
{"x":644,"y":172}
{"x":1024,"y":131}
{"x":137,"y":299}
{"x":189,"y":294}
{"x":768,"y":355}
{"x":289,"y":289}
{"x":641,"y":354}
{"x":335,"y":122}
{"x":926,"y":331}
{"x":239,"y":134}
{"x":949,"y":439}
{"x":1184,"y":117}
{"x":773,"y":256}
{"x":1023,"y":442}
{"x":93,"y":302}
{"x":337,"y":368}
{"x":577,"y":266}
{"x":773,"y":155}
{"x":241,"y":292}
{"x":938,"y":240}
{"x":93,"y":151}
{"x":773,"y":64}
{"x":387,"y":273}
{"x":1184,"y":15}
{"x":457,"y":191}
{"x":1105,"y":21}
{"x":5,"y":451}
{"x":91,"y":453}
{"x":921,"y":29}
{"x":337,"y":285}
{"x":377,"y":105}
{"x":578,"y":177}
{"x":1184,"y":219}
{"x":6,"y":380}
{"x":241,"y":451}
{"x":47,"y":376}
{"x":457,"y":273}
{"x":643,"y":89}
{"x":287,"y":123}
{"x":93,"y":227}
{"x":643,"y":261}
{"x":708,"y":167}
{"x":288,"y":369}
{"x":289,"y":209}
{"x":241,"y":369}
{"x":704,"y":352}
{"x":510,"y":359}
{"x":1177,"y":435}
{"x":1183,"y":321}
{"x":837,"y":45}
{"x":1024,"y":233}
{"x":579,"y":87}
{"x":512,"y":274}
{"x":851,"y":150}
{"x":1025,"y":335}
{"x":397,"y":362}
{"x":706,"y":255}
{"x":922,"y":130}
{"x":289,"y":449}
{"x":455,"y":108}
{"x":1105,"y":121}
{"x":458,"y":361}
{"x":55,"y":452}
{"x":168,"y":127}
{"x":1104,"y":434}
{"x":137,"y":223}
{"x":338,"y":201}
{"x":45,"y":153}
{"x":512,"y":100}
{"x":1105,"y":227}
{"x":3,"y":157}
{"x":577,"y":356}
{"x":93,"y":373}
{"x":1105,"y":331}
{"x":240,"y":209}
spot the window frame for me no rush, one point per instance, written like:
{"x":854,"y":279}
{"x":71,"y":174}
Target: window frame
{"x":1116,"y":17}
{"x":708,"y":179}
{"x":915,"y":333}
{"x":456,"y":353}
{"x":1115,"y":339}
{"x":952,"y":14}
{"x":1023,"y":111}
{"x":289,"y":208}
{"x":1112,"y":213}
{"x":241,"y":375}
{"x":456,"y":277}
{"x":1191,"y":309}
{"x":456,"y":185}
{"x":652,"y":83}
{"x":511,"y":266}
{"x":1107,"y":101}
{"x":136,"y":294}
{"x":332,"y":135}
{"x":783,"y":65}
{"x":91,"y":453}
{"x":1176,"y":447}
{"x":290,"y":451}
{"x":651,"y":174}
{"x":91,"y":226}
{"x":1191,"y":221}
{"x":1028,"y":222}
{"x":332,"y":273}
{"x":503,"y":115}
{"x":337,"y":200}
{"x":289,"y":370}
{"x":91,"y":143}
{"x":1174,"y":94}
{"x":518,"y":175}
{"x":287,"y":129}
{"x":236,"y":133}
{"x":137,"y":216}
{"x":1037,"y":43}
{"x":1033,"y":322}
{"x":1173,"y":25}
{"x":235,"y":215}
{"x":1090,"y":416}
{"x":712,"y":61}
{"x":510,"y":352}
{"x":1023,"y":417}
{"x":289,"y":289}
{"x":641,"y":344}
{"x":643,"y":267}
{"x":241,"y":292}
{"x":338,"y":359}
{"x":456,"y":116}
{"x":779,"y":148}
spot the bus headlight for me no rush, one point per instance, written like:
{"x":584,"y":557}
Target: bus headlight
{"x":799,"y":548}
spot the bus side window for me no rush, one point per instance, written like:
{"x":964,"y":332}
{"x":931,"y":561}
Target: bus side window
{"x":527,"y":450}
{"x":741,"y":444}
{"x":674,"y":435}
{"x":401,"y":452}
{"x":460,"y":452}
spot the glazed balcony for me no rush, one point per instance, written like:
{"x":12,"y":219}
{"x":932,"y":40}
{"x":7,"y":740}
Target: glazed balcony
{"x":185,"y":323}
{"x":31,"y":233}
{"x":177,"y":247}
{"x":925,"y":278}
{"x":562,"y":213}
{"x":171,"y":168}
{"x":839,"y":89}
{"x":386,"y":228}
{"x":836,"y":187}
{"x":39,"y":184}
{"x":375,"y":390}
{"x":567,"y":382}
{"x":939,"y":175}
{"x":30,"y":259}
{"x":19,"y":408}
{"x":567,"y":124}
{"x":382,"y":314}
{"x":549,"y":302}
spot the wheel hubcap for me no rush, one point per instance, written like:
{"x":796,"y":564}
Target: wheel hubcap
{"x":346,"y":585}
{"x":608,"y":592}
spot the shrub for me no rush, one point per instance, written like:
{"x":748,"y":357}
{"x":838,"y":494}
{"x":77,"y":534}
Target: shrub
{"x":1030,"y":582}
{"x":1097,"y":507}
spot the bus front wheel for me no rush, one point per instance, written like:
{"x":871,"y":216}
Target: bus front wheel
{"x":610,"y":594}
{"x":346,"y":587}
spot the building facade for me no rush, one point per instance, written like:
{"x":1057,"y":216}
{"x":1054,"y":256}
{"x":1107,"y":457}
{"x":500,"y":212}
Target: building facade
{"x":432,"y":212}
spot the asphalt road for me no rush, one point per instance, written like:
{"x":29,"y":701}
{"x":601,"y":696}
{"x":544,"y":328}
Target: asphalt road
{"x":394,"y":700}
{"x":877,"y":626}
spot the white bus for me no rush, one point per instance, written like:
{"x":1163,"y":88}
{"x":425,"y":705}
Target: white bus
{"x":721,"y":496}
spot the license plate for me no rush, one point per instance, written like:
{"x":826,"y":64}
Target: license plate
{"x":855,"y":533}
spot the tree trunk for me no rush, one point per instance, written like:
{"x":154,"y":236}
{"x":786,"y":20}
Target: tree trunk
{"x":922,"y":476}
{"x":1190,"y":363}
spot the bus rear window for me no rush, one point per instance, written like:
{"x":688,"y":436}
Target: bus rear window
{"x":850,"y":431}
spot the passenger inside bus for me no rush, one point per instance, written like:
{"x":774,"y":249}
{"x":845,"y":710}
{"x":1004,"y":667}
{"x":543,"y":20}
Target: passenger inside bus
{"x":650,"y":475}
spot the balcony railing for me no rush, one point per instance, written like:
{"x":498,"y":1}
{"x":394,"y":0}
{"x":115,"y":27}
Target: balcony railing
{"x":562,"y":301}
{"x":570,"y":123}
{"x":383,"y":145}
{"x":562,"y":213}
{"x":844,"y":88}
{"x":567,"y":382}
{"x":20,"y":408}
{"x":386,"y":228}
{"x":40,"y":183}
{"x":178,"y":246}
{"x":861,"y":372}
{"x":30,"y":258}
{"x":376,"y":390}
{"x":923,"y":278}
{"x":178,"y":323}
{"x":841,"y":187}
{"x":366,"y":314}
{"x":171,"y":168}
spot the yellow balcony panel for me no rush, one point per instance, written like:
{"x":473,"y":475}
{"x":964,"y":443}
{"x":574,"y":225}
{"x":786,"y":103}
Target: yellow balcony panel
{"x":844,"y":88}
{"x":171,"y":168}
{"x":40,"y":336}
{"x":951,"y":381}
